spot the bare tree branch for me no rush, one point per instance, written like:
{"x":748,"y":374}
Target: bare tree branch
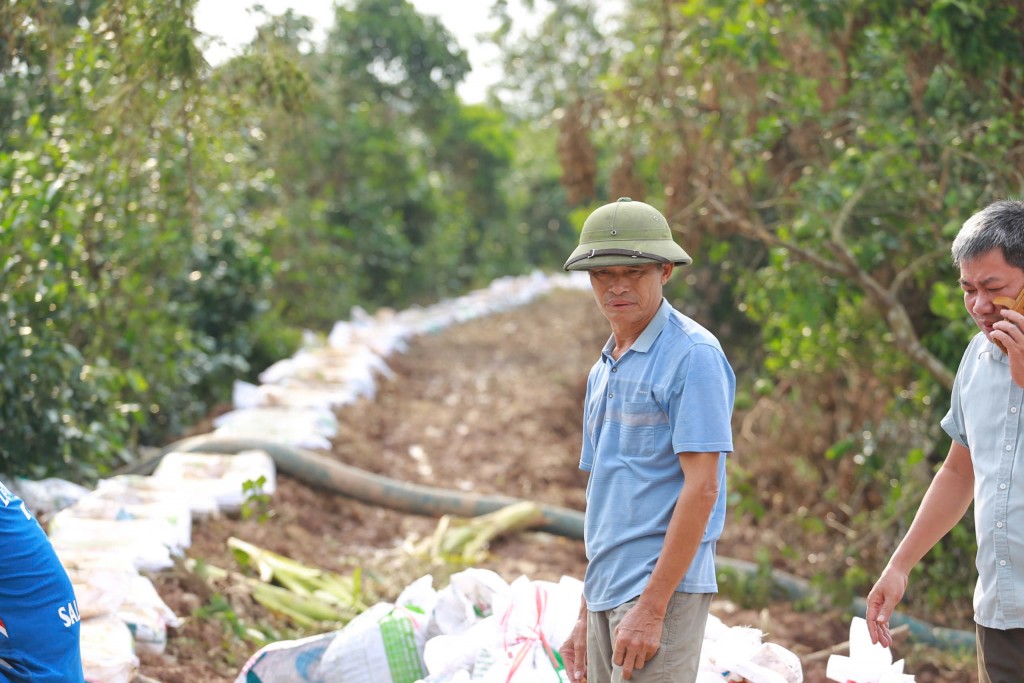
{"x":904,"y":274}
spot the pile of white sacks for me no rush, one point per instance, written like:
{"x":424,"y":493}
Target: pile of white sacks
{"x":296,"y":399}
{"x":110,"y":540}
{"x":478,"y":628}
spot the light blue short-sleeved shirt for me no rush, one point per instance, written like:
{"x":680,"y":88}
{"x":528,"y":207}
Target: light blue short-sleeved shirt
{"x":671,"y":392}
{"x":985,"y":417}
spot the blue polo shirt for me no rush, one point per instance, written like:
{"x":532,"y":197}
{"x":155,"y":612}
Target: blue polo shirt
{"x":39,"y":620}
{"x":671,"y":392}
{"x":985,"y":416}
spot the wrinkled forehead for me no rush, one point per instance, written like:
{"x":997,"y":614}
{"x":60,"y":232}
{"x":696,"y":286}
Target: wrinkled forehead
{"x":988,"y":269}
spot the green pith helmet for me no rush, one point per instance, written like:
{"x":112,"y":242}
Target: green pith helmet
{"x":625,"y":233}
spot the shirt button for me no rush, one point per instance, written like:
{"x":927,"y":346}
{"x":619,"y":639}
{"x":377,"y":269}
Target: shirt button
{"x":1009,"y":447}
{"x":1002,"y":487}
{"x":615,"y":369}
{"x":611,"y":395}
{"x":999,"y":525}
{"x":1013,"y":410}
{"x":1002,"y":563}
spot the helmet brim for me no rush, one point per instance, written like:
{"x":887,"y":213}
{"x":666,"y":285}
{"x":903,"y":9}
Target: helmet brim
{"x":661,"y":251}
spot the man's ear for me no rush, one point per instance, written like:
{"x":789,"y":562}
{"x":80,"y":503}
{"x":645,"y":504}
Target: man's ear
{"x":666,"y":271}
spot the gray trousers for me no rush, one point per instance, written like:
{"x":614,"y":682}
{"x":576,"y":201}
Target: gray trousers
{"x":676,"y":660}
{"x":1000,"y":655}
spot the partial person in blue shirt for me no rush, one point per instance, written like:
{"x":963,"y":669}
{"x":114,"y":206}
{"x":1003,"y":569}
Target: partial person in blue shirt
{"x":39,"y":619}
{"x":985,"y":425}
{"x":656,"y":431}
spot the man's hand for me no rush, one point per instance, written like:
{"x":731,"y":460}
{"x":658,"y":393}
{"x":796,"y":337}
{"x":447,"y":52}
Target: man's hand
{"x":1011,"y":338}
{"x":637,"y":638}
{"x":574,"y":652}
{"x":882,"y":601}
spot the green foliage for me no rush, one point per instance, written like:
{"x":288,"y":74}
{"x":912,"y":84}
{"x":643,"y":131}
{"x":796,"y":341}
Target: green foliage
{"x":127,"y":312}
{"x":754,"y":590}
{"x":387,"y":48}
{"x":150,"y":205}
{"x":58,"y":408}
{"x":219,"y":610}
{"x":256,"y":501}
{"x":558,"y":62}
{"x":396,"y":187}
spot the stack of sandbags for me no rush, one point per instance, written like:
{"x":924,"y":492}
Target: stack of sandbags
{"x":121,"y":613}
{"x":294,"y":402}
{"x":310,"y":427}
{"x":103,"y":544}
{"x":108,"y":538}
{"x":383,"y":644}
{"x":477,"y":626}
{"x":228,"y":479}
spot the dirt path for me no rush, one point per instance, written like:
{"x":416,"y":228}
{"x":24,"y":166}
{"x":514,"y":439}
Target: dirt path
{"x":491,"y":406}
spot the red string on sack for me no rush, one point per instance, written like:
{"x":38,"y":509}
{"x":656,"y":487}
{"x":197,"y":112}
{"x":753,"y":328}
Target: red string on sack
{"x":525,"y":643}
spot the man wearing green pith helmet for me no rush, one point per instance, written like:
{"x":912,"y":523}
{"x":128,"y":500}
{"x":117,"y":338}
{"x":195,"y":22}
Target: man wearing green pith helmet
{"x":656,"y":431}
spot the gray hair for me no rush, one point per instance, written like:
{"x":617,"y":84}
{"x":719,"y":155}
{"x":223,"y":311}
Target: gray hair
{"x":1000,"y":225}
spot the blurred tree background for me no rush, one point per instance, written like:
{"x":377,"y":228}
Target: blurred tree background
{"x":167,"y":226}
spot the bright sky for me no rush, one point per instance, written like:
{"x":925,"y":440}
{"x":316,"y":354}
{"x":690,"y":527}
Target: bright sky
{"x":235,"y":25}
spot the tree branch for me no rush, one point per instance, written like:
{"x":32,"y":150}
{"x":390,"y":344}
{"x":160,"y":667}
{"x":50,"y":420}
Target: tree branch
{"x":893,"y":312}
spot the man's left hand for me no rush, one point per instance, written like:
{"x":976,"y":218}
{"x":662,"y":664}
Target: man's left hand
{"x":637,"y":638}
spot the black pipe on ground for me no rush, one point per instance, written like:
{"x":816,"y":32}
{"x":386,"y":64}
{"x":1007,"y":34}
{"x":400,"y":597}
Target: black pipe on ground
{"x":326,"y":473}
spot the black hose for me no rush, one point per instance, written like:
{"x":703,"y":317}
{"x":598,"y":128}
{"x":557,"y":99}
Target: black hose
{"x":326,"y":473}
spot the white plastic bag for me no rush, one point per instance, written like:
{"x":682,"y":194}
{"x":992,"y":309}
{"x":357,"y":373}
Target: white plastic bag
{"x":101,"y":584}
{"x":447,"y":655}
{"x":287,"y":661}
{"x":738,"y":651}
{"x":221,"y":476}
{"x":142,"y":540}
{"x":147,"y":616}
{"x":771,"y":663}
{"x":47,"y":496}
{"x":379,"y":645}
{"x":133,"y":488}
{"x":467,"y":598}
{"x":867,"y":663}
{"x":302,"y":427}
{"x":535,"y":618}
{"x":172,"y":515}
{"x":107,"y":651}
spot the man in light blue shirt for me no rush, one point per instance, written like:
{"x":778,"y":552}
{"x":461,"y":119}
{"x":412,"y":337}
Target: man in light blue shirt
{"x":984,"y":423}
{"x":657,"y":427}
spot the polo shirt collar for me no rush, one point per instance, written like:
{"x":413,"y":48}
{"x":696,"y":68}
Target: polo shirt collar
{"x":646,"y":339}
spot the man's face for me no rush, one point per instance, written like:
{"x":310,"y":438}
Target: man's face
{"x":629,"y":295}
{"x":984,"y":279}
